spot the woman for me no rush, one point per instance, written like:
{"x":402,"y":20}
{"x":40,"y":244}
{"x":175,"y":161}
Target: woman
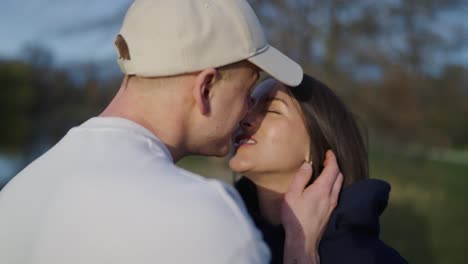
{"x":288,"y":126}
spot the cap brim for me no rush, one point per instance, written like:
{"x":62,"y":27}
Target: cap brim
{"x":279,"y":66}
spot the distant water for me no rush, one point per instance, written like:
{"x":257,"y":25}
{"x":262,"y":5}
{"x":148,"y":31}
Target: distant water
{"x":9,"y":165}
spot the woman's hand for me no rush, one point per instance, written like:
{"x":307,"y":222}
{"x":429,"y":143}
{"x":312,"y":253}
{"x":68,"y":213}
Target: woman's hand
{"x":306,"y":211}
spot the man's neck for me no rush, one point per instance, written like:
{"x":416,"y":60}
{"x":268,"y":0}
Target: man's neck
{"x":155,"y":112}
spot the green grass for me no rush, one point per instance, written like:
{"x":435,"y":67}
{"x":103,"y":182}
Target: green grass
{"x":427,"y":213}
{"x":209,"y":167}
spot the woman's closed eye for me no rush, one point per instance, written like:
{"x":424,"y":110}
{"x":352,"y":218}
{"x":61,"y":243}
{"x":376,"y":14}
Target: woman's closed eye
{"x":269,"y":108}
{"x":272,"y":111}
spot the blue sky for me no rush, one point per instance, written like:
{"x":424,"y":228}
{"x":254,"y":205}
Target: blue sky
{"x":47,"y":23}
{"x":51,"y":23}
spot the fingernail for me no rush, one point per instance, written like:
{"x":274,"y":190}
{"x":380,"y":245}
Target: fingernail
{"x":305,"y":166}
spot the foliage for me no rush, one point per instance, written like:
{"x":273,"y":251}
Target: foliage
{"x":39,"y":103}
{"x":391,"y":61}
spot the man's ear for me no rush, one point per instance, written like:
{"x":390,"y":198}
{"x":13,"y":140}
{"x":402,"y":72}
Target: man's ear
{"x":202,"y":89}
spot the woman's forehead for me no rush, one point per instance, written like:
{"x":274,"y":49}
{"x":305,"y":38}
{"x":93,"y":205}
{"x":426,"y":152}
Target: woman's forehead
{"x":268,"y":87}
{"x":272,"y":89}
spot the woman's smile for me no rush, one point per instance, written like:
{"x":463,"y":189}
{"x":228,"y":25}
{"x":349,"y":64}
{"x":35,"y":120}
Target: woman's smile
{"x":273,"y":135}
{"x":244,"y":140}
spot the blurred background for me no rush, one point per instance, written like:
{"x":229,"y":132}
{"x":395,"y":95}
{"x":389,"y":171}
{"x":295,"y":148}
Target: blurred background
{"x":400,"y":65}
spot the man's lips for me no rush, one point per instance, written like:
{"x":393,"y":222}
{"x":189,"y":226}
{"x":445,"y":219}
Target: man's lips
{"x":244,"y":140}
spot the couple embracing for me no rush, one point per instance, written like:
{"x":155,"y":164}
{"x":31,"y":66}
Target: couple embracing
{"x":109,"y":191}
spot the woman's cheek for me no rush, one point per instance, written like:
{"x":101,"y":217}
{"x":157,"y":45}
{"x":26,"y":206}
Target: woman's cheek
{"x":281,"y":136}
{"x":294,"y":145}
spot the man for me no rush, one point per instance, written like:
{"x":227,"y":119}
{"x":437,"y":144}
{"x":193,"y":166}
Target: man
{"x":109,"y":191}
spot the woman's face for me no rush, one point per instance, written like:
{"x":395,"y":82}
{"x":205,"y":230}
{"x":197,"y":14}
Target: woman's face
{"x":272,"y":138}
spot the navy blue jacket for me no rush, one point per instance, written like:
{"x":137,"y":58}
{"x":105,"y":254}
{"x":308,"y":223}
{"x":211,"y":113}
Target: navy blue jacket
{"x":352,"y":234}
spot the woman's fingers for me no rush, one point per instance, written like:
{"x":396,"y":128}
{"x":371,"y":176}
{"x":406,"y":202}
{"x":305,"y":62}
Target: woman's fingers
{"x":325,"y":181}
{"x":335,"y":193}
{"x":327,"y":185}
{"x":300,"y":180}
{"x":329,"y":156}
{"x":305,"y":213}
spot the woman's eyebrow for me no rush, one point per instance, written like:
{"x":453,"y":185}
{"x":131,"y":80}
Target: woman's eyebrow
{"x":269,"y":100}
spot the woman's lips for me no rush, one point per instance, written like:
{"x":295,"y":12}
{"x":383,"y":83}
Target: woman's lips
{"x":244,"y":140}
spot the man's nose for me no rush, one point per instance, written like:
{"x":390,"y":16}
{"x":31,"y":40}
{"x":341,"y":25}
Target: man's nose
{"x":245,"y":124}
{"x":250,"y":104}
{"x":249,"y":120}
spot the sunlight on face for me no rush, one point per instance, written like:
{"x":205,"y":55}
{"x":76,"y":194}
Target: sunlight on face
{"x":272,"y":138}
{"x":229,"y":104}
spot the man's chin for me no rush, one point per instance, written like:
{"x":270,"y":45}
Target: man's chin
{"x":222,"y":152}
{"x":220,"y":148}
{"x":218,"y":152}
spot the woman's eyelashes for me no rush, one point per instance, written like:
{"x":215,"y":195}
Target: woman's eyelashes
{"x":266,"y":108}
{"x":273,"y":107}
{"x":273,"y":112}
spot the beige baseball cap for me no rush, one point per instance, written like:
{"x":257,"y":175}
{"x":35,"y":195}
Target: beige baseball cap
{"x":170,"y":37}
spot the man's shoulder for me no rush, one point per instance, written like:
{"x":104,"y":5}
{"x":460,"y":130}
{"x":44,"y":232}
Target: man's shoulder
{"x":213,"y":192}
{"x":211,"y":195}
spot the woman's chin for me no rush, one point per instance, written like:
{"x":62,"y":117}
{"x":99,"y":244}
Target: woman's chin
{"x":239,"y":165}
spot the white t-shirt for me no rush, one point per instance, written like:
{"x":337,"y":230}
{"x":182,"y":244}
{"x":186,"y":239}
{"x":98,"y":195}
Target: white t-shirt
{"x":109,"y":192}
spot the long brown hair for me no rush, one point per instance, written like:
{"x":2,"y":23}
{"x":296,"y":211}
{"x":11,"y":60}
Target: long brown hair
{"x":331,"y":126}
